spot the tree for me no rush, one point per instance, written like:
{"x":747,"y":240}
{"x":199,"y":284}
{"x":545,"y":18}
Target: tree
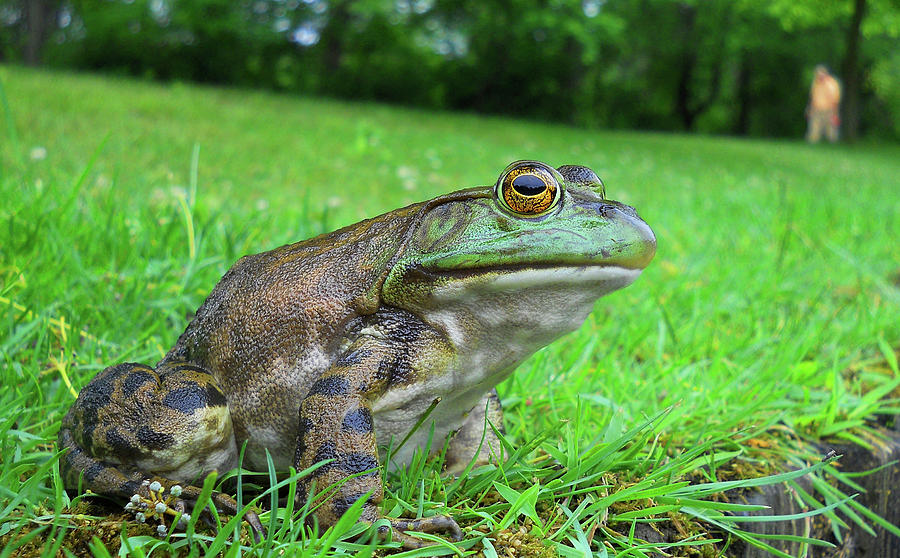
{"x":715,"y":66}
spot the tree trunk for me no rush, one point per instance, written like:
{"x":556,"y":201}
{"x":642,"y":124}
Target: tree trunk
{"x":850,"y":69}
{"x":332,"y":37}
{"x":687,"y":105}
{"x":688,"y":15}
{"x":742,"y":119}
{"x":38,"y":16}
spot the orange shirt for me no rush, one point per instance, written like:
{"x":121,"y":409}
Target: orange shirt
{"x":825,"y":93}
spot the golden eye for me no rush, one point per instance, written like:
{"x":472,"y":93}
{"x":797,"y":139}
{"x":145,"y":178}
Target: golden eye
{"x":528,"y":188}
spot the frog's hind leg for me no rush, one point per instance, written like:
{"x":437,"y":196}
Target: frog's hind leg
{"x":132,"y":426}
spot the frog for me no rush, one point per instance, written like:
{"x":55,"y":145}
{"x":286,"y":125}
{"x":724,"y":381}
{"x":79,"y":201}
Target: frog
{"x":333,"y":350}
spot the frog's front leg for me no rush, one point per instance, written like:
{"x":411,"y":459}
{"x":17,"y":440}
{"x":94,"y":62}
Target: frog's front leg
{"x":336,"y":424}
{"x":475,"y":442}
{"x":133,"y":426}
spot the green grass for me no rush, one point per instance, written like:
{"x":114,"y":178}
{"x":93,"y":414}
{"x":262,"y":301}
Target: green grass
{"x":767,"y":320}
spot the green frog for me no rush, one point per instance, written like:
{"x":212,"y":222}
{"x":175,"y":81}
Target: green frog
{"x":332,"y":348}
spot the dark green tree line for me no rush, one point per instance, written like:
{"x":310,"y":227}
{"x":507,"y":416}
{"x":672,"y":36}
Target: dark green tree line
{"x":720,"y":66}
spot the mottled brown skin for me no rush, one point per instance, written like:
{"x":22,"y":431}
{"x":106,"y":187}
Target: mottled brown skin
{"x":309,"y":350}
{"x":248,"y":335}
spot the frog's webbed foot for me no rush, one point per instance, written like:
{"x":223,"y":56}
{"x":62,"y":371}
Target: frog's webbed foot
{"x":154,"y":500}
{"x":443,"y":524}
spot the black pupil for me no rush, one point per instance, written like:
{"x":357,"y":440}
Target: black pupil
{"x":528,"y":185}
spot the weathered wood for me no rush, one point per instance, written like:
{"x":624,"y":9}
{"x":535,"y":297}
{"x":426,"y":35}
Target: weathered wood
{"x":780,"y":500}
{"x":882,"y":496}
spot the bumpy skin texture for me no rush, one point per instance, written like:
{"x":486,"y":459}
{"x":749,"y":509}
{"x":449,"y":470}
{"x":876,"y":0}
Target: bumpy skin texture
{"x":328,"y":348}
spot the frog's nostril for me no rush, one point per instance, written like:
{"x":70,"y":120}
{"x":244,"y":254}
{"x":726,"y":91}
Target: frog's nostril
{"x":610,"y":209}
{"x":636,"y":238}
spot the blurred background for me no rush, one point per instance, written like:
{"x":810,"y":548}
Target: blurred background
{"x":740,"y":67}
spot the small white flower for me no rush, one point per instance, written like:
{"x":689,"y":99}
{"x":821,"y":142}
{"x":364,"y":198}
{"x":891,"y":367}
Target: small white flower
{"x":38,"y":153}
{"x":135,"y":499}
{"x":161,"y":530}
{"x":175,"y":490}
{"x":155,"y":486}
{"x":161,"y":507}
{"x":129,"y":506}
{"x":145,"y":483}
{"x":140,"y":517}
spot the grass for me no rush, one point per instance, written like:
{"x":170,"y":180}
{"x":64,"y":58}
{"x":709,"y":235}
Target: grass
{"x":768,"y":320}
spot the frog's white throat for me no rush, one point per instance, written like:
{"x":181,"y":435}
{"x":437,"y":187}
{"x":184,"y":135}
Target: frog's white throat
{"x":505,"y":316}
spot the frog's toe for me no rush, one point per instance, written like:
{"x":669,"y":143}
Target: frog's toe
{"x":256,"y":526}
{"x":435,"y":524}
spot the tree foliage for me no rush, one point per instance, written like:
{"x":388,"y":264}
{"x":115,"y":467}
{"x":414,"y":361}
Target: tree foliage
{"x":720,"y":66}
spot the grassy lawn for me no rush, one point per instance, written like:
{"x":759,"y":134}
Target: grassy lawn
{"x":767,"y":322}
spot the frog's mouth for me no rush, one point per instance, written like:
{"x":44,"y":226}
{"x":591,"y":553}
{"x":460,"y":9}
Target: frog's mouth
{"x":595,"y":280}
{"x":627,"y":259}
{"x":574,"y":269}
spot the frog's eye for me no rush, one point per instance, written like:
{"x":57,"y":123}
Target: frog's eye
{"x":528,"y":188}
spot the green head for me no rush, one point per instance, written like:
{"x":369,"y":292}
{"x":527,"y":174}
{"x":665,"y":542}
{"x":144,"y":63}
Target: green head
{"x":506,"y":269}
{"x":534,"y":220}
